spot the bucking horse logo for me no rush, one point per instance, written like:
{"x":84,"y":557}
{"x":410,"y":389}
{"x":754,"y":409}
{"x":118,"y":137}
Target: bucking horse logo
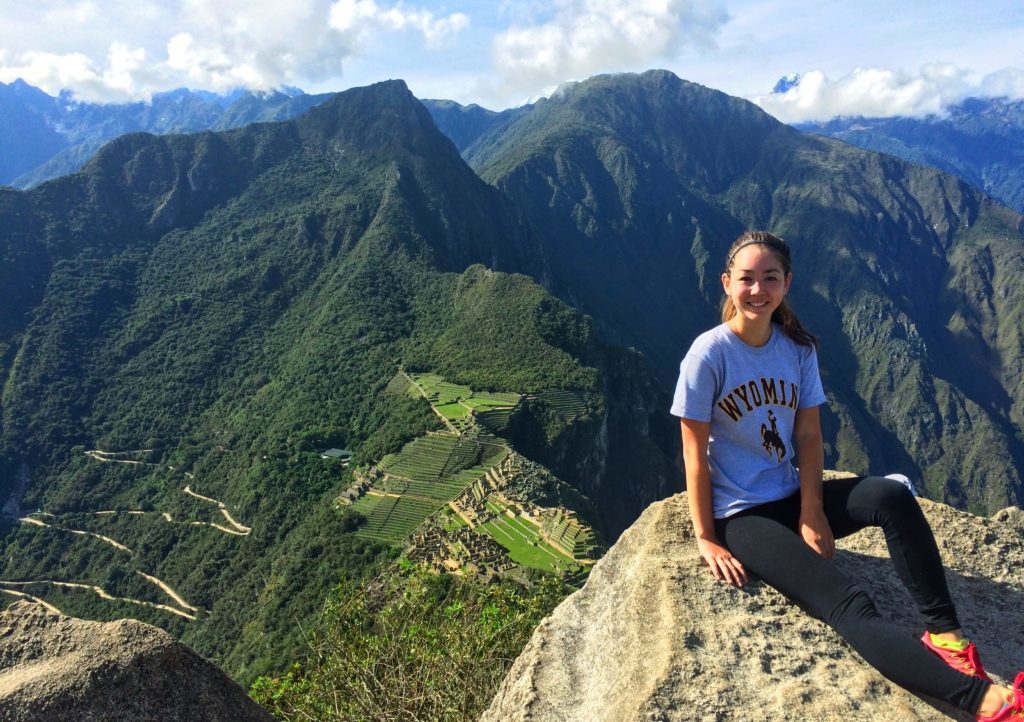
{"x":770,"y":439}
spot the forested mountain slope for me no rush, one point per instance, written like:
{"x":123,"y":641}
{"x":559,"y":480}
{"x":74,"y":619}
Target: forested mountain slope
{"x":638,"y":183}
{"x":190,"y":318}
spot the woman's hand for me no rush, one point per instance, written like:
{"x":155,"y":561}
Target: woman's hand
{"x":817,"y":533}
{"x":724,"y":566}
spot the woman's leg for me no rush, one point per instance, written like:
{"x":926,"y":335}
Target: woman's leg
{"x":852,"y":504}
{"x":769,"y":548}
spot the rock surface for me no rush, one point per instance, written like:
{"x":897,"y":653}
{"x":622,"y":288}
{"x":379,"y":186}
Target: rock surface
{"x":54,"y":668}
{"x":652,"y":636}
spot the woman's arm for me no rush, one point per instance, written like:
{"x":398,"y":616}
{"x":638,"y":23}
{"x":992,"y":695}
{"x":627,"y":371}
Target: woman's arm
{"x":723,"y":565}
{"x":814,"y":526}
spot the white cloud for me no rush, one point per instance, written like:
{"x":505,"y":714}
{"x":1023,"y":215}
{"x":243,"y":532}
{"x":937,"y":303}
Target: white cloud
{"x":879,"y":92}
{"x":258,"y":44}
{"x":76,"y":12}
{"x":49,"y":70}
{"x":584,"y":37}
{"x":1008,"y":82}
{"x":357,"y":18}
{"x":122,"y":77}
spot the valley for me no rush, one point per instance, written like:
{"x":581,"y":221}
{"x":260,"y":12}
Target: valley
{"x":446,"y":500}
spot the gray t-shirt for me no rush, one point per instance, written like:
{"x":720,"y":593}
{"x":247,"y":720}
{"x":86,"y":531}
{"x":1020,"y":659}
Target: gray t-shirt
{"x":750,"y":395}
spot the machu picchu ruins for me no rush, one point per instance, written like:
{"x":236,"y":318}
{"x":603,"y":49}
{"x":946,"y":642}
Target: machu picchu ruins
{"x":460,"y":499}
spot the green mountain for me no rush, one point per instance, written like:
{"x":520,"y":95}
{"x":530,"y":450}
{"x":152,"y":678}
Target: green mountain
{"x":637,"y":184}
{"x":979,"y":139}
{"x":464,"y":124}
{"x":43,"y":137}
{"x":189,"y":320}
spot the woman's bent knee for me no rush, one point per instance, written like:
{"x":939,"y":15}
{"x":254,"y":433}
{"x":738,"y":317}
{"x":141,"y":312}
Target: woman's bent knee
{"x":886,"y":496}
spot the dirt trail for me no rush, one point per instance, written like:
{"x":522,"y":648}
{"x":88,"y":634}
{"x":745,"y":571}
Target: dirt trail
{"x":37,"y":600}
{"x":218,"y":527}
{"x":108,"y":540}
{"x":166,"y":588}
{"x":242,"y":529}
{"x":109,"y":456}
{"x":188,"y":490}
{"x":103,"y":594}
{"x":113,"y":456}
{"x":168,"y":591}
{"x":239,"y":529}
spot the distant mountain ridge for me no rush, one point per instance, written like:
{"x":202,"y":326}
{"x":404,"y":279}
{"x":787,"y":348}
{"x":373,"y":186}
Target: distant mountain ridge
{"x":465,"y":124}
{"x":979,"y":139}
{"x":43,"y":137}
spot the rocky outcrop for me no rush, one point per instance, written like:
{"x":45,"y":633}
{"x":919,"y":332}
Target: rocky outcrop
{"x":55,"y":668}
{"x":652,"y":636}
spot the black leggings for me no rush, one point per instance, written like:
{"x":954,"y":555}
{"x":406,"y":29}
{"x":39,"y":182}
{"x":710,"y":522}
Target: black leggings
{"x":766,"y":540}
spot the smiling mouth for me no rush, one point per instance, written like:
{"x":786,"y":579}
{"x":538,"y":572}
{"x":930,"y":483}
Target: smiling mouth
{"x":757,"y":304}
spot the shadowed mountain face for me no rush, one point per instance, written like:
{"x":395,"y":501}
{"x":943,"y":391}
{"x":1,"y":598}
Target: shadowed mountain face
{"x":980,"y":140}
{"x":205,"y":311}
{"x":30,"y":141}
{"x":465,"y":124}
{"x":911,"y":278}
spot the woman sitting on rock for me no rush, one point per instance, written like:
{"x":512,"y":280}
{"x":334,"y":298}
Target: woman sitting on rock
{"x":748,"y":397}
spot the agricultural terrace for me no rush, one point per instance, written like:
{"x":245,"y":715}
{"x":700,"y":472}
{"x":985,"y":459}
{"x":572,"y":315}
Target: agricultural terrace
{"x":422,"y":478}
{"x":401,"y":384}
{"x":523,"y":540}
{"x":455,"y":400}
{"x":493,"y":419}
{"x":453,"y":411}
{"x":430,"y":471}
{"x":438,"y":391}
{"x":390,"y":519}
{"x":570,"y":405}
{"x":482,"y":402}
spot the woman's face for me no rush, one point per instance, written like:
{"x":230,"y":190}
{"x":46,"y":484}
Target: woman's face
{"x":756,"y":283}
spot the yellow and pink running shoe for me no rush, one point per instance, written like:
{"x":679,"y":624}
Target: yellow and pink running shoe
{"x":962,"y":656}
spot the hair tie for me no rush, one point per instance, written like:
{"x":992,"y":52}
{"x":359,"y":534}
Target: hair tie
{"x":781,"y":248}
{"x":732,"y":256}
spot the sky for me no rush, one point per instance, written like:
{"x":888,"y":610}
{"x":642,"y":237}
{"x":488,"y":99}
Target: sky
{"x":872,"y":57}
